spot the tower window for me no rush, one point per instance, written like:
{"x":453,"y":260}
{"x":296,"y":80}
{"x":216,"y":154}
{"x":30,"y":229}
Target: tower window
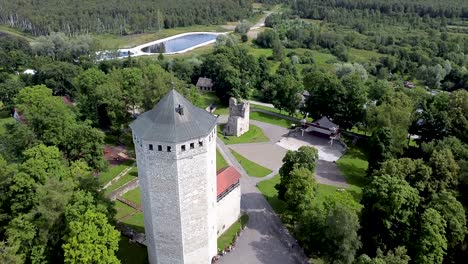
{"x":159,"y":148}
{"x":150,"y":147}
{"x":200,"y":143}
{"x":168,"y":148}
{"x":183,"y":147}
{"x":192,"y":145}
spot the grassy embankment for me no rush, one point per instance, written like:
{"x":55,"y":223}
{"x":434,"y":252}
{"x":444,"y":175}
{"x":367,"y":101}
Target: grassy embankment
{"x":254,"y":135}
{"x":220,"y":161}
{"x":227,"y":237}
{"x":252,"y":168}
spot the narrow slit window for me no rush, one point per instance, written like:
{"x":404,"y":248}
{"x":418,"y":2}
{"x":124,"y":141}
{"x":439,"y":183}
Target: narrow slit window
{"x":182,"y":147}
{"x":192,"y":145}
{"x":150,"y":147}
{"x":168,"y":148}
{"x":200,"y":143}
{"x":159,"y":148}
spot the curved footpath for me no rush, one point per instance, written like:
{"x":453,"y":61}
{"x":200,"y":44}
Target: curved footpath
{"x":265,"y":239}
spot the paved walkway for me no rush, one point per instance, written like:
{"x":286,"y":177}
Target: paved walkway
{"x":270,"y":154}
{"x":265,"y":239}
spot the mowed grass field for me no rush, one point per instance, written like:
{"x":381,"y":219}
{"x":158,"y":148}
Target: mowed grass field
{"x":253,"y":169}
{"x":254,"y":135}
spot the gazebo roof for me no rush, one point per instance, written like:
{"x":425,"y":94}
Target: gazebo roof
{"x":325,"y":122}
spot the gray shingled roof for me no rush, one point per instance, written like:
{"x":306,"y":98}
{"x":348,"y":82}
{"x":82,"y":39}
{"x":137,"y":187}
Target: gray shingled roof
{"x":204,"y":82}
{"x":325,"y":122}
{"x":164,"y":123}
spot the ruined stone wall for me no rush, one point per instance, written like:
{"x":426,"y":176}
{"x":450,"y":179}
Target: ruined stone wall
{"x":239,"y":117}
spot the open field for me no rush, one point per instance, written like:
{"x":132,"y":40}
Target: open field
{"x":14,"y":32}
{"x":252,"y":168}
{"x":133,"y":196}
{"x":254,"y":135}
{"x":122,"y":210}
{"x":271,"y":119}
{"x":121,"y":182}
{"x":353,"y":165}
{"x":136,"y":222}
{"x":110,"y":174}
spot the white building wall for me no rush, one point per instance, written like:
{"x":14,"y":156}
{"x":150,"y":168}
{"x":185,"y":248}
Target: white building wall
{"x":179,"y":200}
{"x":228,"y":210}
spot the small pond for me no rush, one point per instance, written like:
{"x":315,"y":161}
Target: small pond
{"x":180,"y":43}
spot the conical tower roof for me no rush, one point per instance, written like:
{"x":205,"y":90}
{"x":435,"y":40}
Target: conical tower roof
{"x":174,"y":119}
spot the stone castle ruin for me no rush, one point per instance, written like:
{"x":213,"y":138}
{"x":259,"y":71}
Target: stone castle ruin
{"x":239,"y":116}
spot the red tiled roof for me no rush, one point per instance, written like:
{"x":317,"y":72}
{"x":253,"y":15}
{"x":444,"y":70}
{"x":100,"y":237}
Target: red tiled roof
{"x":225,"y":178}
{"x":67,"y":100}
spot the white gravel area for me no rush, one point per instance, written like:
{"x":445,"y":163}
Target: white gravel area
{"x":326,"y":151}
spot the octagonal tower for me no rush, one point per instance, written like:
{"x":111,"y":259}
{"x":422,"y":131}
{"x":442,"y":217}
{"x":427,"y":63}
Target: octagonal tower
{"x":175,"y":147}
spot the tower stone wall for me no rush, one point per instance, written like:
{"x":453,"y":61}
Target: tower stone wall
{"x":179,"y":199}
{"x":239,"y":118}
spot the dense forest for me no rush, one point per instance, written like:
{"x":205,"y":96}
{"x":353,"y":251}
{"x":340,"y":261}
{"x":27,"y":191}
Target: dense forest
{"x":117,"y":16}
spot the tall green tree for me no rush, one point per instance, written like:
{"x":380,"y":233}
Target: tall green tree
{"x":91,"y":240}
{"x":397,"y":256}
{"x":389,"y":209}
{"x":394,"y":113}
{"x":453,"y":213}
{"x":432,"y":244}
{"x":304,"y":157}
{"x":341,"y":240}
{"x":301,"y":190}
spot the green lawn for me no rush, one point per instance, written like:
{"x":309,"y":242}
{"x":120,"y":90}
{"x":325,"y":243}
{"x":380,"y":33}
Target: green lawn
{"x":122,"y":210}
{"x":136,"y":222}
{"x":323,"y":190}
{"x":271,"y":119}
{"x":267,"y":188}
{"x":133,"y":196}
{"x":113,"y":171}
{"x":131,"y":253}
{"x":5,"y":118}
{"x":123,"y":180}
{"x":252,"y":168}
{"x":220,"y":161}
{"x":222,"y":110}
{"x":254,"y":135}
{"x":276,"y":110}
{"x":361,"y":56}
{"x":15,"y":32}
{"x":227,"y":237}
{"x":353,"y":164}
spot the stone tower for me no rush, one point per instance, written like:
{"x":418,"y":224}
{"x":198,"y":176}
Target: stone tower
{"x":175,"y":146}
{"x":239,"y":118}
